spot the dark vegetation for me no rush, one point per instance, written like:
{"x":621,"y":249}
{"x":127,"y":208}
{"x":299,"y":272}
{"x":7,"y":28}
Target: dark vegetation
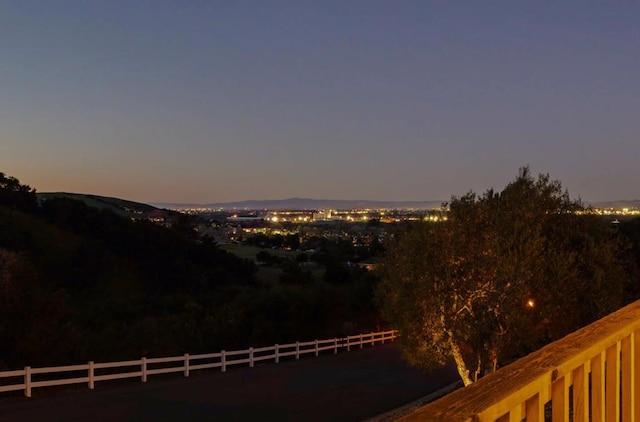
{"x":507,"y":273}
{"x":118,"y":206}
{"x":81,"y":283}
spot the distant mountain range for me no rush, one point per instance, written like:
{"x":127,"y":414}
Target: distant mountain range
{"x":340,"y":204}
{"x":307,"y":204}
{"x":130,"y":208}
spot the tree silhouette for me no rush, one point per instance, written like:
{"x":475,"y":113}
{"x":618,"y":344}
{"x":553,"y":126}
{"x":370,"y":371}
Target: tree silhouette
{"x":504,"y":274}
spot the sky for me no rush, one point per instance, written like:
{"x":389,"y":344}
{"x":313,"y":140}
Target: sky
{"x":214,"y":101}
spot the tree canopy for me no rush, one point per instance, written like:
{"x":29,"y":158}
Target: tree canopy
{"x":506,"y":273}
{"x":16,"y":195}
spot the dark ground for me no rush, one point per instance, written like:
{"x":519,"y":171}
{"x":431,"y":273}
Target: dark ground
{"x":345,"y":387}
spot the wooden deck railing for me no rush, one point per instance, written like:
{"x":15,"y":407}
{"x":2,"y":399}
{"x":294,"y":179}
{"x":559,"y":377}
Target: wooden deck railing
{"x":91,"y":372}
{"x":592,"y":374}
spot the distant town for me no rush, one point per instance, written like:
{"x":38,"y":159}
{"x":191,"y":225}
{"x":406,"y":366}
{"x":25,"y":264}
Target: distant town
{"x":359,"y":226}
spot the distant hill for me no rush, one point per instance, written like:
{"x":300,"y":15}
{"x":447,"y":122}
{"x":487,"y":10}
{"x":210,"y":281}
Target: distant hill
{"x":119,"y":206}
{"x":308,"y":203}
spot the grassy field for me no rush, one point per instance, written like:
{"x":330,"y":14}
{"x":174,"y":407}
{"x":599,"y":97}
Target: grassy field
{"x":270,"y":274}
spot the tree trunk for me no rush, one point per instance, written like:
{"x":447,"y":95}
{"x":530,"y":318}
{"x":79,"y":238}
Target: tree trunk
{"x":478,"y":372}
{"x":462,"y":367}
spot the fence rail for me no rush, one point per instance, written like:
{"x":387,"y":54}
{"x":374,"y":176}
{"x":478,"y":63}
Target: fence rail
{"x":141,"y":367}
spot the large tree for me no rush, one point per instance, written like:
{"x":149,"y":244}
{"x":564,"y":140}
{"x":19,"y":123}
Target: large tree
{"x":14,"y":195}
{"x":505,"y":273}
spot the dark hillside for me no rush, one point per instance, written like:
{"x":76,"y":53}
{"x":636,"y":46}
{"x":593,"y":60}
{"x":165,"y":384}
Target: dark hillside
{"x":80,"y":282}
{"x":79,"y":279}
{"x":119,"y":206}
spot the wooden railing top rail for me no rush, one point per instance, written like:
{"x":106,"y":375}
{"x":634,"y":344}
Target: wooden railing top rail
{"x":497,"y":393}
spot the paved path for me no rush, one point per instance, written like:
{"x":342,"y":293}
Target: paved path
{"x":345,"y":387}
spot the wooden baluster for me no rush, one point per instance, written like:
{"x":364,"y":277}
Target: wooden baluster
{"x":636,"y":376}
{"x":581,"y":394}
{"x":597,"y":388}
{"x":627,"y":378}
{"x":612,"y":381}
{"x":560,"y":401}
{"x":535,"y":409}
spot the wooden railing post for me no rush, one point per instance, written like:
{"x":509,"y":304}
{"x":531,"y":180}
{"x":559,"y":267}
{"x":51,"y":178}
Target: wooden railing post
{"x":223,"y":361}
{"x":144,"y":369}
{"x":91,"y":375}
{"x":348,"y":344}
{"x":27,"y":381}
{"x":277,"y":354}
{"x":361,"y":341}
{"x":335,"y":346}
{"x":186,"y":365}
{"x":373,"y":339}
{"x":316,"y":347}
{"x":250,"y":357}
{"x":297,"y":350}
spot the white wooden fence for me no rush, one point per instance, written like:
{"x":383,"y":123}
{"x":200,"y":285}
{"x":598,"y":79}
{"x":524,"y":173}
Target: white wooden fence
{"x":144,"y":367}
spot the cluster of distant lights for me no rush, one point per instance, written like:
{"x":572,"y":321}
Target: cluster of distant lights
{"x":619,"y":211}
{"x":435,"y":218}
{"x":365,"y":214}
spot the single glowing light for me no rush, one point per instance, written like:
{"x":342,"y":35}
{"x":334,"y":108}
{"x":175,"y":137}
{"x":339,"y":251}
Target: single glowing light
{"x":531,"y":303}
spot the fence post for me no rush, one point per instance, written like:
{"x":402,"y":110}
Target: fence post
{"x":297,"y":350}
{"x":186,"y":364}
{"x":250,"y":357}
{"x":382,"y":337}
{"x":144,"y":369}
{"x":361,"y":341}
{"x":348,"y":343}
{"x":316,"y":347}
{"x":27,"y":381}
{"x":373,"y":339}
{"x":91,"y":373}
{"x":223,"y":360}
{"x":335,"y":346}
{"x":277,"y":354}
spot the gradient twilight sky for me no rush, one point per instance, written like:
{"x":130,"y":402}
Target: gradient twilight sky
{"x":203,"y":101}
